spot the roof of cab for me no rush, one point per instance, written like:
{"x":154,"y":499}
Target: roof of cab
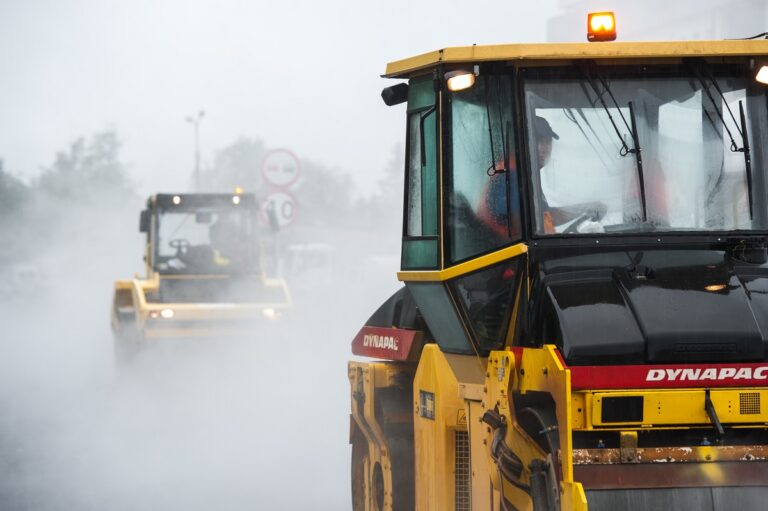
{"x":570,"y":51}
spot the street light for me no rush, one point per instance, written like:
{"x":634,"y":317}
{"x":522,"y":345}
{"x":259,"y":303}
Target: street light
{"x":195,"y":121}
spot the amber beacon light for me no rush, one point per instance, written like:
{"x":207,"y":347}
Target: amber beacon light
{"x":601,"y":26}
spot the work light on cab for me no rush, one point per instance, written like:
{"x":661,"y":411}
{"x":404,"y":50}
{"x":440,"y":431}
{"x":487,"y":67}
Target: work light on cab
{"x":601,"y":26}
{"x":459,"y":80}
{"x":762,"y":75}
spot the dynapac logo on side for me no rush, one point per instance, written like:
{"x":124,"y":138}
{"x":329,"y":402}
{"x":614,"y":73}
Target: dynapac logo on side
{"x":708,"y":374}
{"x":386,"y":342}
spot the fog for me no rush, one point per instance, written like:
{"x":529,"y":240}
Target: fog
{"x":304,"y":75}
{"x":253,"y":423}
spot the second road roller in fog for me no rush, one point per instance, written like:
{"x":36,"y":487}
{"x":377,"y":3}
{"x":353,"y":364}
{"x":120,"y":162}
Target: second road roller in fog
{"x":209,"y":273}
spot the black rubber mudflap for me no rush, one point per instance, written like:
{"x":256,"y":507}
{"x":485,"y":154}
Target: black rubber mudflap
{"x":700,"y":499}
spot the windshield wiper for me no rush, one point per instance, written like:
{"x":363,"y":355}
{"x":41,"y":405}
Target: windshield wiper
{"x":697,"y":66}
{"x":568,"y":113}
{"x":747,"y":156}
{"x":493,"y":169}
{"x":638,"y":159}
{"x":625,"y":150}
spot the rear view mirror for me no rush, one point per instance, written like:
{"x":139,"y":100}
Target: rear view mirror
{"x":395,"y":94}
{"x":144,"y":220}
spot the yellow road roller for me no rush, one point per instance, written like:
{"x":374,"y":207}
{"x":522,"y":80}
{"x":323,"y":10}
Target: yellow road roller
{"x":208,"y":272}
{"x":584,"y":317}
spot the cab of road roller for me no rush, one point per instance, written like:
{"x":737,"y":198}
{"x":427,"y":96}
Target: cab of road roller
{"x":584,"y":317}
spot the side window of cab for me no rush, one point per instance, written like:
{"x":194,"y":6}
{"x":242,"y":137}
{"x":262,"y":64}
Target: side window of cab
{"x":420,"y":230}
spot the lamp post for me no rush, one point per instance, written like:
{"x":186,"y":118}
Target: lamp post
{"x":195,"y":121}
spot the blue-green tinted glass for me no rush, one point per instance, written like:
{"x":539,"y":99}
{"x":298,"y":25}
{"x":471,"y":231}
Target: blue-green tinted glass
{"x":419,"y":254}
{"x":421,"y":208}
{"x":440,"y":315}
{"x":429,"y":174}
{"x":422,"y":194}
{"x":421,"y":93}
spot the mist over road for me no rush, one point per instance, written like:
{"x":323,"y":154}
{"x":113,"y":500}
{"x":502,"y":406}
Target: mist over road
{"x":258,"y":423}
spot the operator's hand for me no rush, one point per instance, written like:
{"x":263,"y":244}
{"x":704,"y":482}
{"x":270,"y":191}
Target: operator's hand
{"x":590,"y":226}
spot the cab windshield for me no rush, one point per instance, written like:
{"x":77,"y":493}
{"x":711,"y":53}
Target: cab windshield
{"x":662,"y":149}
{"x":206,"y":240}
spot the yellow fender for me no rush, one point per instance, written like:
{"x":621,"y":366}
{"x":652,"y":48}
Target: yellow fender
{"x":521,"y":371}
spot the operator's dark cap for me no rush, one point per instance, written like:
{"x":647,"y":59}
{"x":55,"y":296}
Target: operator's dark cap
{"x":543,"y":129}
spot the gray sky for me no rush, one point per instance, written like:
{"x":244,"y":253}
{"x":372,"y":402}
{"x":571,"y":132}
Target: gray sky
{"x":303,"y":75}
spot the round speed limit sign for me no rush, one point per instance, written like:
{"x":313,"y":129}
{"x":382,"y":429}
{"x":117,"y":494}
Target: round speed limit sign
{"x":280,"y":168}
{"x":280,"y":206}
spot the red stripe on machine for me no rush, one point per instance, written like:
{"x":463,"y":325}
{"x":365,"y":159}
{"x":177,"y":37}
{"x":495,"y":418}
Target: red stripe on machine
{"x":385,"y":343}
{"x":673,"y":376}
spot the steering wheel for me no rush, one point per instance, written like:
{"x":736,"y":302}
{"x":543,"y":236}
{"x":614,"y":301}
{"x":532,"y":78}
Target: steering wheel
{"x":594,"y":212}
{"x":181,"y":245}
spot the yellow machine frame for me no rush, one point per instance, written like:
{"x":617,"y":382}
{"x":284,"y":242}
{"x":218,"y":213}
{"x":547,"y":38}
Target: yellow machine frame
{"x":450,"y":393}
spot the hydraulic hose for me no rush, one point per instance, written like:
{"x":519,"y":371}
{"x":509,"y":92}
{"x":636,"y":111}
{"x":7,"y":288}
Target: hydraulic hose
{"x":546,"y":430}
{"x":509,"y":464}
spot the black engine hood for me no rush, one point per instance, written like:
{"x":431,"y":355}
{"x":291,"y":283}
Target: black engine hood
{"x":655,"y":306}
